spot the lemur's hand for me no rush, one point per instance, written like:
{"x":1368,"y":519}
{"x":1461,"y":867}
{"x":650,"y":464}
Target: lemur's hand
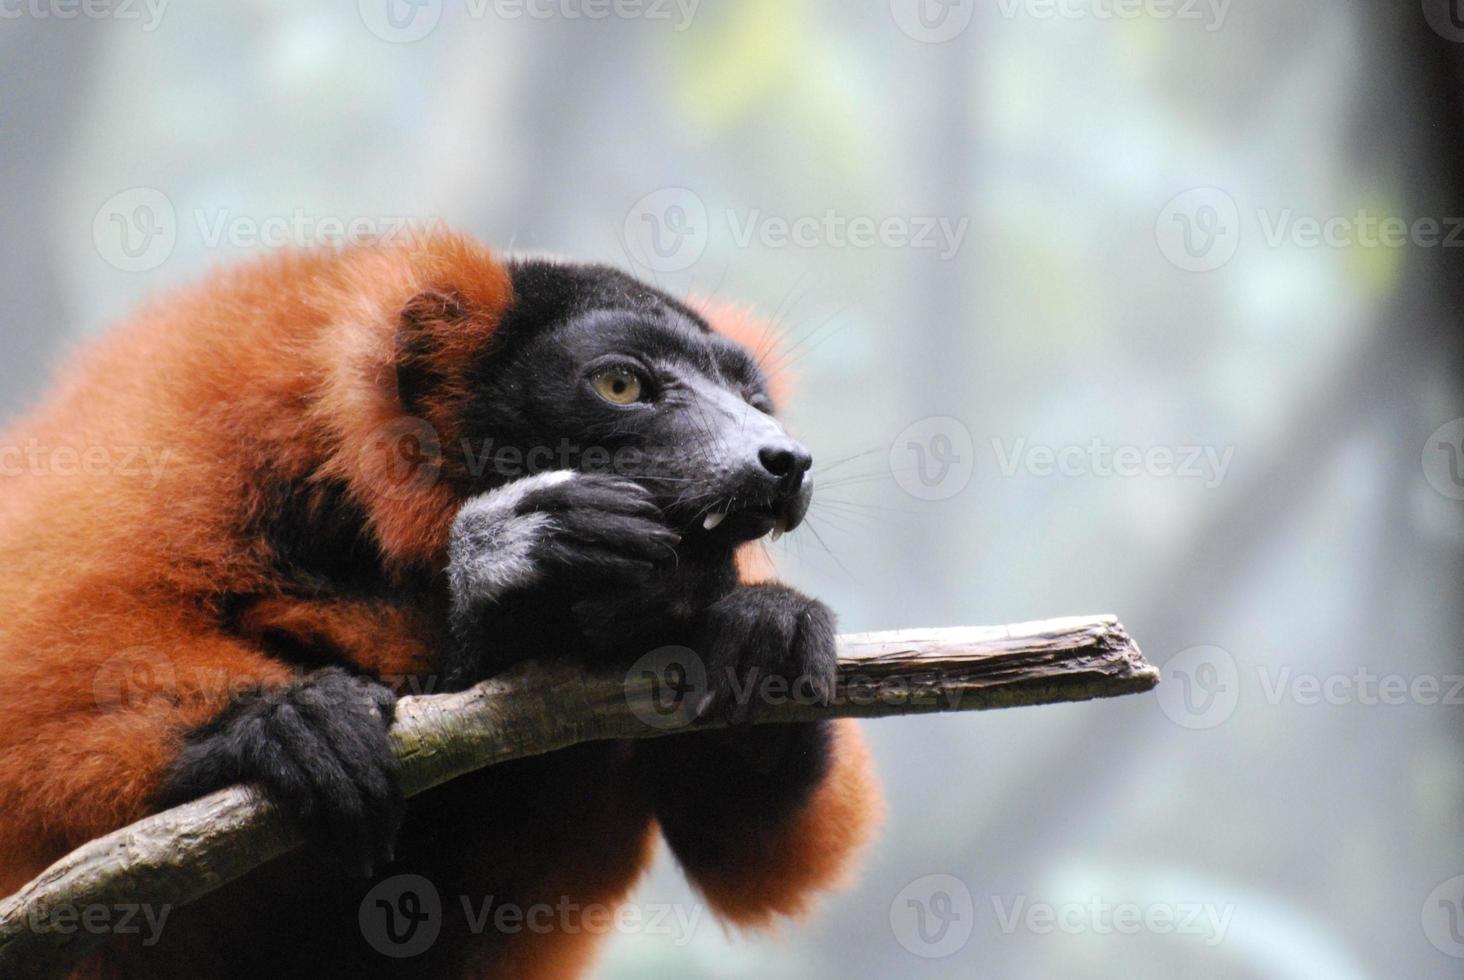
{"x":578,"y":527}
{"x":764,"y":642}
{"x":760,"y":643}
{"x":316,"y":749}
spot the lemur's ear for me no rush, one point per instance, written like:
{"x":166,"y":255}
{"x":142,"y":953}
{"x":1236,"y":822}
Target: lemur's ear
{"x":458,"y":296}
{"x":430,"y":331}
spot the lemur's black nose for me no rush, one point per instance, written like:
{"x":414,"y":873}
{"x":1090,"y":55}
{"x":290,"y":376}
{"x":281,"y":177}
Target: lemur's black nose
{"x":788,"y":462}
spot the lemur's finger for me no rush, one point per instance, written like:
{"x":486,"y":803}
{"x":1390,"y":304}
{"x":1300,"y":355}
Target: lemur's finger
{"x":596,"y":561}
{"x":590,"y":490}
{"x":558,"y":491}
{"x":635,"y":535}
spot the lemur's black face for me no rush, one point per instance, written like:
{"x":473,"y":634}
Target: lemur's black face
{"x":596,"y":371}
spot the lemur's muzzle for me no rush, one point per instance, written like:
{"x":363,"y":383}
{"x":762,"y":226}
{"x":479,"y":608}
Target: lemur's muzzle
{"x":772,"y":489}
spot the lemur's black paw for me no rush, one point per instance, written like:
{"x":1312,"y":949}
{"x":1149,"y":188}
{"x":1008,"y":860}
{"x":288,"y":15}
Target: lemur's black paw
{"x":590,"y":528}
{"x":763,"y":644}
{"x":316,"y":749}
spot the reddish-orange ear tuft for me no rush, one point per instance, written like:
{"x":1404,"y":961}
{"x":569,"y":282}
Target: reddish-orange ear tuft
{"x":758,"y":335}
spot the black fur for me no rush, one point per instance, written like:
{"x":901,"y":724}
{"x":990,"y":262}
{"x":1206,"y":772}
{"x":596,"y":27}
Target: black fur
{"x":624,"y":565}
{"x":318,"y":750}
{"x":759,"y":643}
{"x":612,"y":585}
{"x":318,"y":538}
{"x":706,"y":784}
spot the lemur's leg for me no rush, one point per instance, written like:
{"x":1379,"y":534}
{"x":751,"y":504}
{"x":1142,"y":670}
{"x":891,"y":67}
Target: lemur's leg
{"x":762,"y":816}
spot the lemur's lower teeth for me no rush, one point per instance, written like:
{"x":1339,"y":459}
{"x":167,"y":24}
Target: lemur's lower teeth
{"x":713,"y":520}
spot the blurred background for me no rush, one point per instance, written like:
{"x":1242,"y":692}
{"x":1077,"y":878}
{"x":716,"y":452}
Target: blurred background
{"x":1135,"y":306}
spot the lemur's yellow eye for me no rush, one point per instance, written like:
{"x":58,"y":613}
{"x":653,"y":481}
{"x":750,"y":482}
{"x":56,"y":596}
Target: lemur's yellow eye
{"x":617,"y":385}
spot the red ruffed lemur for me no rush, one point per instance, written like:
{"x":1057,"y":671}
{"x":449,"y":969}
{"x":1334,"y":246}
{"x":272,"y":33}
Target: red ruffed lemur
{"x":244,"y":613}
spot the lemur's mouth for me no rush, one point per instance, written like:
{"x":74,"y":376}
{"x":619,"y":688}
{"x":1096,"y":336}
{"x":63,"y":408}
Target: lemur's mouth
{"x":746,"y":523}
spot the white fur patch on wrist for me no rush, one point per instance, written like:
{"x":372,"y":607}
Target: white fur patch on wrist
{"x":491,"y":552}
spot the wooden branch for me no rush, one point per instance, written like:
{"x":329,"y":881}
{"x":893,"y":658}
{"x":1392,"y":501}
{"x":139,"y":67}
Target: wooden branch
{"x":175,"y":857}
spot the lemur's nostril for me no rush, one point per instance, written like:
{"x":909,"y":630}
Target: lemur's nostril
{"x":787,"y":463}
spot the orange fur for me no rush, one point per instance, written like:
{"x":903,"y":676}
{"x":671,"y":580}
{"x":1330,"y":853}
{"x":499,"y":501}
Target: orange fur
{"x":776,"y":868}
{"x":113,"y":578}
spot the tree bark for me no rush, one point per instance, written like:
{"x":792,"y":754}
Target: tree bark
{"x":175,"y":857}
